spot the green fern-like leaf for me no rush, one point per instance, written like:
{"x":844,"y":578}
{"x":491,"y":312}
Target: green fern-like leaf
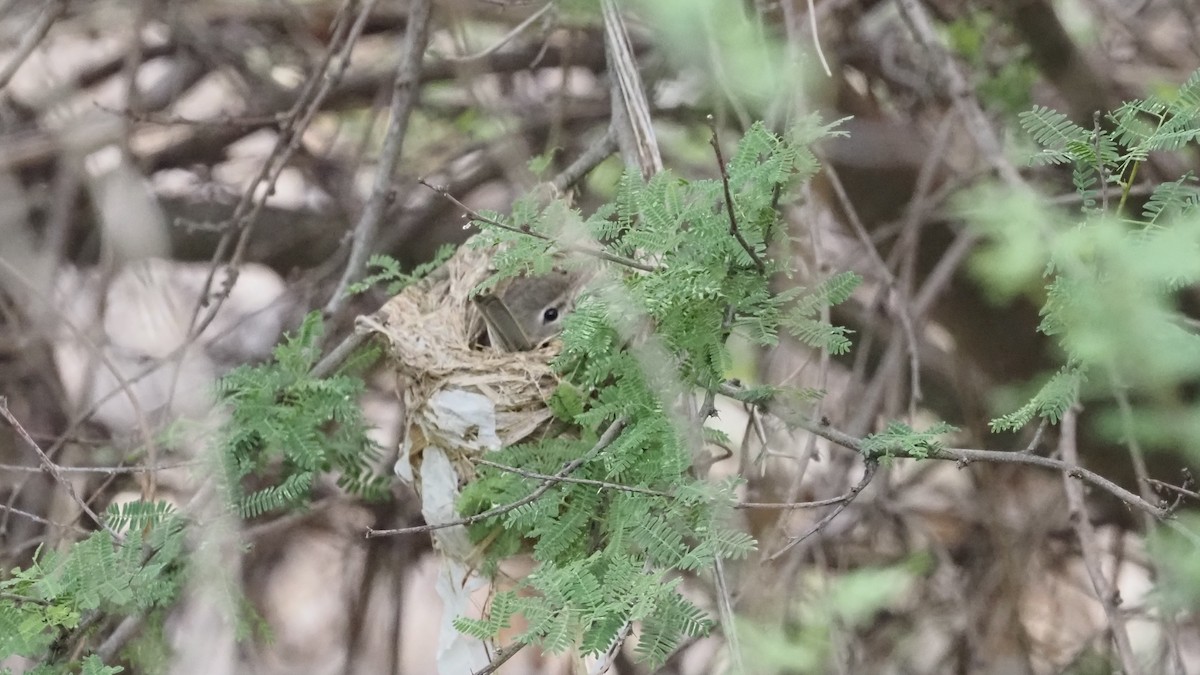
{"x":1050,"y":403}
{"x":902,"y":440}
{"x":1061,"y":139}
{"x":606,"y":556}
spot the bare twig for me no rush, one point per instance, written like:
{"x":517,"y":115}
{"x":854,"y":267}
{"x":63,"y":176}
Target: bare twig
{"x":502,"y":657}
{"x":517,"y":30}
{"x":125,"y":630}
{"x":632,"y":111}
{"x":792,"y":506}
{"x":335,"y":358}
{"x":963,"y":456}
{"x":585,"y":250}
{"x":1190,"y":494}
{"x":405,"y":90}
{"x":32,"y":38}
{"x":1140,"y":472}
{"x":1036,"y":441}
{"x":812,"y":22}
{"x":1105,"y":592}
{"x":1136,"y":456}
{"x":54,"y":469}
{"x":902,"y":305}
{"x":869,"y":473}
{"x":170,"y":119}
{"x":125,"y":386}
{"x":959,"y":91}
{"x":604,"y":664}
{"x":590,"y":159}
{"x":40,"y":520}
{"x":733,"y":224}
{"x":579,"y":481}
{"x":105,"y":470}
{"x":725,"y":612}
{"x":308,"y":103}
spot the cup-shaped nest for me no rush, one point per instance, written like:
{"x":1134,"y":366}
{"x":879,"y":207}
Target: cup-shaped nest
{"x":459,"y":397}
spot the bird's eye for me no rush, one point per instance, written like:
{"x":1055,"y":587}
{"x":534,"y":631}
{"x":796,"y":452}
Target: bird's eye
{"x":550,"y":315}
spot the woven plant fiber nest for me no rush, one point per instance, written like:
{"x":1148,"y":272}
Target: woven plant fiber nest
{"x":461,"y":400}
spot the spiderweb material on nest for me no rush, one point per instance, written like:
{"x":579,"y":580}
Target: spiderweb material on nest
{"x":461,"y":400}
{"x":459,"y":397}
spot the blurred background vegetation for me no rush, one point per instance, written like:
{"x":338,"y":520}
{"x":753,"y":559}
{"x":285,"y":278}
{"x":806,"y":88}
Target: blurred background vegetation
{"x":159,"y":158}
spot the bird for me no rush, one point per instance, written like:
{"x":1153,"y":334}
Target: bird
{"x":525,"y":312}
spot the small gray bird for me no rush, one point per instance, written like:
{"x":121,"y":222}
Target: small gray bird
{"x":524,"y":312}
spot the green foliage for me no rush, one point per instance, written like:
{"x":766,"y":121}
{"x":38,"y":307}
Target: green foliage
{"x":901,"y":440}
{"x":841,"y":604}
{"x":92,"y":665}
{"x":282,"y":421}
{"x":740,"y":65}
{"x":1174,"y":552}
{"x":49,"y":601}
{"x":388,"y":270}
{"x":298,"y":426}
{"x":612,"y":556}
{"x":1051,"y":401}
{"x":1111,"y":278}
{"x":804,"y":320}
{"x":1000,"y":61}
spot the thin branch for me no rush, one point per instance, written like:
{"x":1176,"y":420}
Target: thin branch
{"x":903,"y":307}
{"x":40,"y":520}
{"x":308,"y":103}
{"x":1036,"y":441}
{"x":959,"y":91}
{"x":601,"y":150}
{"x":1136,"y":457}
{"x":405,"y":91}
{"x":1174,"y":488}
{"x":339,"y":354}
{"x":630,"y":107}
{"x":585,"y":250}
{"x":106,"y":470}
{"x":124,"y":384}
{"x":1140,"y":472}
{"x":54,"y":469}
{"x":846,"y":499}
{"x":733,"y":224}
{"x":792,"y":506}
{"x":580,"y":481}
{"x":605,"y":664}
{"x":725,"y":612}
{"x":1086,"y":533}
{"x":171,"y":119}
{"x":812,"y":22}
{"x":508,"y":37}
{"x":606,"y":439}
{"x":32,"y":38}
{"x":15,"y":597}
{"x":963,"y":456}
{"x":502,"y":657}
{"x":1101,"y":169}
{"x":124,"y":631}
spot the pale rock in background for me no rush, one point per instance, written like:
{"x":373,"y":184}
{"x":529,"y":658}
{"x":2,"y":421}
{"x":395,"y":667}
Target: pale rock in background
{"x":112,"y":333}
